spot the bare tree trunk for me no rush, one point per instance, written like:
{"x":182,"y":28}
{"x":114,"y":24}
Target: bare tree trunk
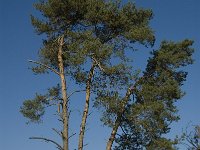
{"x":86,"y":109}
{"x":113,"y":134}
{"x":65,"y":114}
{"x":118,"y":120}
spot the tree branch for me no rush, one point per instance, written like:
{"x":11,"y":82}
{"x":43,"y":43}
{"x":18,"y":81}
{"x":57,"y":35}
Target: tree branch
{"x":47,"y":140}
{"x":46,"y":66}
{"x":55,"y":130}
{"x":85,"y":144}
{"x":123,"y":130}
{"x":189,"y":139}
{"x":72,"y":135}
{"x":76,"y":91}
{"x":98,"y":64}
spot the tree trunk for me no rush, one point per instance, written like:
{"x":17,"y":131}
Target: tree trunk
{"x":118,"y":120}
{"x":113,"y":134}
{"x":86,"y":109}
{"x":65,"y":114}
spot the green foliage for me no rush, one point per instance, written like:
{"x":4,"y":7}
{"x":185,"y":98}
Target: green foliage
{"x":148,"y":115}
{"x":162,"y":144}
{"x":99,"y":32}
{"x":137,"y":141}
{"x":54,"y":92}
{"x":34,"y":109}
{"x":92,"y":29}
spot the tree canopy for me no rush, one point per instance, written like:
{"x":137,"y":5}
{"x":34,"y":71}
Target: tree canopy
{"x":88,"y":41}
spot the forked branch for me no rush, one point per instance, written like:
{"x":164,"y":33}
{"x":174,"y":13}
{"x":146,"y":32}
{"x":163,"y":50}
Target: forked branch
{"x":98,"y":64}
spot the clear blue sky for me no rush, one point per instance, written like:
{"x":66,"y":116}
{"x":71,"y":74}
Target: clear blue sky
{"x":174,"y":20}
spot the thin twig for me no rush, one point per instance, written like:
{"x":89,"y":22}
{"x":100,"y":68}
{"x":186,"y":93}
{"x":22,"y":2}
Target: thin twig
{"x":46,"y":66}
{"x":90,"y":113}
{"x":72,"y":135}
{"x":189,"y":139}
{"x":85,"y":144}
{"x":59,"y":133}
{"x":123,"y":130}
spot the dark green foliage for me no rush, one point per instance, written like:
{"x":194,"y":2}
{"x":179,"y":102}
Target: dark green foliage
{"x":162,"y":144}
{"x":155,"y":94}
{"x":95,"y":31}
{"x":137,"y":140}
{"x":54,"y":92}
{"x":92,"y":29}
{"x":99,"y":32}
{"x":148,"y":115}
{"x":34,"y":109}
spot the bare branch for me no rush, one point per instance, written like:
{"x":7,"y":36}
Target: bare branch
{"x":72,"y":135}
{"x":47,"y":140}
{"x":76,"y":91}
{"x":60,"y":117}
{"x":185,"y":144}
{"x":85,"y":144}
{"x":97,"y":62}
{"x":46,"y":66}
{"x":58,"y":108}
{"x":90,"y":113}
{"x":53,"y":104}
{"x":190,"y":140}
{"x":123,"y":130}
{"x":61,"y":120}
{"x":59,"y":133}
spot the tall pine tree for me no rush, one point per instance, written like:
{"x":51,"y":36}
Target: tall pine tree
{"x":78,"y":34}
{"x":142,"y":120}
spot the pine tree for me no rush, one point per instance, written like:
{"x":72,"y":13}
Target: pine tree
{"x":145,"y":118}
{"x":78,"y":34}
{"x":87,"y":41}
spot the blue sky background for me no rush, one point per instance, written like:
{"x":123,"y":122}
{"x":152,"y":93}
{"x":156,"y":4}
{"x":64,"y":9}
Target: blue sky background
{"x":173,"y":20}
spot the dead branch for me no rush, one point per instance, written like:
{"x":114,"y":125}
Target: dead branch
{"x":72,"y":135}
{"x":76,"y":91}
{"x":47,"y":140}
{"x":46,"y":66}
{"x":56,"y":131}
